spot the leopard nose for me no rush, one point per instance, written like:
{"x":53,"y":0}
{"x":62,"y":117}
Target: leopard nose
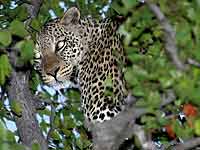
{"x":53,"y":71}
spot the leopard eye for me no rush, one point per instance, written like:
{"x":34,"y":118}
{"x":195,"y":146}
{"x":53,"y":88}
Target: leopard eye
{"x":60,"y":45}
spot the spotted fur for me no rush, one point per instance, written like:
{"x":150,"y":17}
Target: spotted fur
{"x":89,"y":52}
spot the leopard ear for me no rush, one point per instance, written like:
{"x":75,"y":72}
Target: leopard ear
{"x":72,"y":16}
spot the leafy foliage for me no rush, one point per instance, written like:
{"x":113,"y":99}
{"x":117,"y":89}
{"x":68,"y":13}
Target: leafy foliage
{"x":7,"y":139}
{"x":5,"y":38}
{"x":149,"y":74}
{"x":5,"y":68}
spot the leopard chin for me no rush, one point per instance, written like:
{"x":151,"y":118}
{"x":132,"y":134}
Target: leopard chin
{"x":62,"y":84}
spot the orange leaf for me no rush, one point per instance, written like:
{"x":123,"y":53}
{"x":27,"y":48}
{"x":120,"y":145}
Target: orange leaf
{"x":170,"y":131}
{"x":190,"y":110}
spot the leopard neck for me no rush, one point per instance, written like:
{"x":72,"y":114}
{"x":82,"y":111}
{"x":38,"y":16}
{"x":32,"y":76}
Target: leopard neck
{"x":94,"y":30}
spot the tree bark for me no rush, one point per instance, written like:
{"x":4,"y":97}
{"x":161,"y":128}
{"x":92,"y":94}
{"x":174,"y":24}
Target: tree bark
{"x":27,"y":125}
{"x":18,"y":91}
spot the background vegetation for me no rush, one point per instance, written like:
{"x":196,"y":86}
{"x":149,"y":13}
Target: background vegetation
{"x":150,"y":72}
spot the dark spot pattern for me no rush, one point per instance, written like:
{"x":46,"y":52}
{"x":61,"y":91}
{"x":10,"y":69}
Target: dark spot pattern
{"x":94,"y":49}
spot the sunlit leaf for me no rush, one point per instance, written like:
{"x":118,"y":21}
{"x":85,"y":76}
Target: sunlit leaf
{"x":16,"y":108}
{"x":197,"y":126}
{"x":27,"y":50}
{"x":5,"y":68}
{"x":17,"y":28}
{"x":36,"y":146}
{"x":5,"y":37}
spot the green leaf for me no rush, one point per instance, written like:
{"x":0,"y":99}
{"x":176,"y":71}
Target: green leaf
{"x":197,"y":127}
{"x":130,"y":78}
{"x":77,"y":114}
{"x":7,"y":139}
{"x":166,"y":82}
{"x":154,"y":99}
{"x":4,"y":146}
{"x":181,"y":131}
{"x":150,"y":122}
{"x":5,"y":68}
{"x":109,"y":86}
{"x":140,"y":73}
{"x":35,"y":24}
{"x":118,"y":8}
{"x":27,"y":50}
{"x":69,"y":122}
{"x":108,"y":82}
{"x":5,"y":37}
{"x":10,"y":136}
{"x":16,"y":108}
{"x":35,"y":81}
{"x":22,"y":12}
{"x":163,"y":121}
{"x":55,"y":135}
{"x":138,"y":91}
{"x":73,"y":95}
{"x":35,"y":146}
{"x":16,"y":147}
{"x":17,"y":28}
{"x":84,"y":139}
{"x":135,"y":58}
{"x":57,"y":122}
{"x":129,"y":3}
{"x":79,"y":143}
{"x":147,"y":37}
{"x":66,"y":132}
{"x":2,"y":131}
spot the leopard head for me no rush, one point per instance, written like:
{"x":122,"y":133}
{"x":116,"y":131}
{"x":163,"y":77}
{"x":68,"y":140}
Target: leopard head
{"x":59,"y":48}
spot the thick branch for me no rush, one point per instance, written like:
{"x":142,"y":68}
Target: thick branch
{"x":27,"y":125}
{"x":192,"y":143}
{"x":18,"y":91}
{"x":111,"y":134}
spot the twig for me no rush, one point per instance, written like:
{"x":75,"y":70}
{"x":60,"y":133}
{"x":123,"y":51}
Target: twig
{"x":169,"y":35}
{"x":193,"y":62}
{"x":52,"y":117}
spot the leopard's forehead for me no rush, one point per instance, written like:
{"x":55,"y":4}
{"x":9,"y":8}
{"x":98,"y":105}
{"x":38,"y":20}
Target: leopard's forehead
{"x":51,"y":29}
{"x":54,"y":31}
{"x":51,"y":32}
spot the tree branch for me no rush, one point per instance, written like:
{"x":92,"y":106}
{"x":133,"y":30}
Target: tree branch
{"x":188,"y":144}
{"x":169,"y":35}
{"x":109,"y":135}
{"x":18,"y":91}
{"x":193,"y":62}
{"x":27,"y":125}
{"x":52,"y":117}
{"x":33,"y":9}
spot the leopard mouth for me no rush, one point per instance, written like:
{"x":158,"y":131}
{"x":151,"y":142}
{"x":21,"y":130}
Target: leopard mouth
{"x":65,"y":85}
{"x":60,"y":82}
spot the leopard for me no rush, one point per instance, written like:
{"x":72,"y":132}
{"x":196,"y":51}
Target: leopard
{"x":86,"y":51}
